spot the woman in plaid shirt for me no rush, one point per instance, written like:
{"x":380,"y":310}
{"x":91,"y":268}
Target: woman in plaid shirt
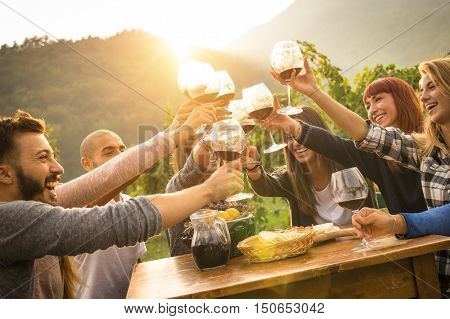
{"x":427,"y":152}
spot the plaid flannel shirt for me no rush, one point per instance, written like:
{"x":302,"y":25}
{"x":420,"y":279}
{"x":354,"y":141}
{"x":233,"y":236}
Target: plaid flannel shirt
{"x":391,"y":143}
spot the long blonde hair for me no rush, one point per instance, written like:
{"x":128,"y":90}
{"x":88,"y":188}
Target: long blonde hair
{"x":71,"y":276}
{"x":439,"y":72}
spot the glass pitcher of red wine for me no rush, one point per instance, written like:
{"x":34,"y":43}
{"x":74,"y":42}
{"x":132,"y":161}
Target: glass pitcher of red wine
{"x":211,"y":240}
{"x":350,"y":190}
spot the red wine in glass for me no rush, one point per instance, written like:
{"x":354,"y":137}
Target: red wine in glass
{"x":286,"y":75}
{"x":354,"y":204}
{"x":247,"y":127}
{"x":261,"y":114}
{"x":228,"y":156}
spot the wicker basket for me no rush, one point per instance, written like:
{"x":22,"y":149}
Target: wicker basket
{"x":270,"y":246}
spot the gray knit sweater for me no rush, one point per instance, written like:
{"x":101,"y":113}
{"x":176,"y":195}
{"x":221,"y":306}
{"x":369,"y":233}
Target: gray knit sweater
{"x":29,"y":230}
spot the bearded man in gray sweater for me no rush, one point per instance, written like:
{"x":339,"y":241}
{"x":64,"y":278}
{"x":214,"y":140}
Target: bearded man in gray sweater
{"x":33,"y":226}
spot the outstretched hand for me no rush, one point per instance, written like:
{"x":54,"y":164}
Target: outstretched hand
{"x":280,"y":122}
{"x":302,"y":83}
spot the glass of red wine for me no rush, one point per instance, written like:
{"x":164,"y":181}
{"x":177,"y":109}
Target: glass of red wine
{"x":287,"y":57}
{"x":228,"y":142}
{"x":237,"y":110}
{"x":226,"y":87}
{"x":350,"y":190}
{"x":258,"y":101}
{"x":202,"y":83}
{"x":198,"y":81}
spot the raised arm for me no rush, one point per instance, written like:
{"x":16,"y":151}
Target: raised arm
{"x":119,"y":171}
{"x":353,"y":124}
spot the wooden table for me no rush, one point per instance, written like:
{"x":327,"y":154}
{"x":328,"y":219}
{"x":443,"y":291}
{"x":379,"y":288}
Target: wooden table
{"x":330,"y":270}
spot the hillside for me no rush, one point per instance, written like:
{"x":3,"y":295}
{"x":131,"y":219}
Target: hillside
{"x":348,"y":30}
{"x":76,"y":96}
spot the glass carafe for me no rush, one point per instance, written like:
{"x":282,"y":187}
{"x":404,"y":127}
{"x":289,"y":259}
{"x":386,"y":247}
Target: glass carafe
{"x":211,"y":240}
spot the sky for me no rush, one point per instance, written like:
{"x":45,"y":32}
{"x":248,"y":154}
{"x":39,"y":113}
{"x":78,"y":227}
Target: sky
{"x":184,"y":23}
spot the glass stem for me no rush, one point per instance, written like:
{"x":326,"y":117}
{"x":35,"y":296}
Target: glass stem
{"x":289,"y":95}
{"x":271,"y":137}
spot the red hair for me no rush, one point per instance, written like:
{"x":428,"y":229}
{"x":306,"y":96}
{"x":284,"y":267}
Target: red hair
{"x":409,"y":109}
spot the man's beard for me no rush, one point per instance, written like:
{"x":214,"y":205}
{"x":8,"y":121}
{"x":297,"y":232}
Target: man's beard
{"x":29,"y":187}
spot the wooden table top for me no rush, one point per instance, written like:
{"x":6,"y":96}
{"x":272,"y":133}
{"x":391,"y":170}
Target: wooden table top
{"x":177,"y":277}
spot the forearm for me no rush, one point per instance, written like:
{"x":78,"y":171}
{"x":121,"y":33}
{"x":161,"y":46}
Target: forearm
{"x":190,"y":175}
{"x":175,"y":207}
{"x":267,"y":185}
{"x":353,"y":124}
{"x":433,"y":221}
{"x":32,"y":230}
{"x":115,"y":173}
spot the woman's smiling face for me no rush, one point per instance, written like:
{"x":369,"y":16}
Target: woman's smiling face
{"x":435,"y":101}
{"x":382,"y":110}
{"x":302,"y":154}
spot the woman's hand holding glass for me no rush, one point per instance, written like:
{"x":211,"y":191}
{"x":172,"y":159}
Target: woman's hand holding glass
{"x":280,"y":122}
{"x":305,"y":84}
{"x":287,"y":58}
{"x":259,"y":104}
{"x":250,"y":161}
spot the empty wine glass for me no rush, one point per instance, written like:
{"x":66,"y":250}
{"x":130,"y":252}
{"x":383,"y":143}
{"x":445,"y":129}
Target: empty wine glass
{"x":228,"y":142}
{"x":258,"y":101}
{"x":350,"y":190}
{"x":287,"y":57}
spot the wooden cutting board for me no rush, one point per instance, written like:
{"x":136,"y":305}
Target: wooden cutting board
{"x":333,"y":234}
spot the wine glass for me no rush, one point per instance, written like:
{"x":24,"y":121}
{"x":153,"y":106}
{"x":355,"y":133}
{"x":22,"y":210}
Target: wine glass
{"x":237,"y":109}
{"x":226,"y":87}
{"x":287,"y":57}
{"x":258,"y":101}
{"x":350,"y":190}
{"x":198,"y":81}
{"x":202,"y":84}
{"x":228,"y":142}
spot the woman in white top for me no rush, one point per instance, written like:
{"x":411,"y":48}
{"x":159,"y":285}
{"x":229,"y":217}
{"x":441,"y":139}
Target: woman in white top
{"x":304,"y":181}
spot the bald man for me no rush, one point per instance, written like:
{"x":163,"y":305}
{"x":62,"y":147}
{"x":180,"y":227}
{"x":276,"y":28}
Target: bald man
{"x":106,"y":273}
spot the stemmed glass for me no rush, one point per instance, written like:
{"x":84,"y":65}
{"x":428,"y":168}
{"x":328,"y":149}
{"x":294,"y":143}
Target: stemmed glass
{"x":237,"y":109}
{"x":226,"y":87}
{"x":228,"y":142}
{"x":198,"y":81}
{"x":287,"y":57}
{"x":350,"y":190}
{"x":258,"y":101}
{"x":202,"y":84}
